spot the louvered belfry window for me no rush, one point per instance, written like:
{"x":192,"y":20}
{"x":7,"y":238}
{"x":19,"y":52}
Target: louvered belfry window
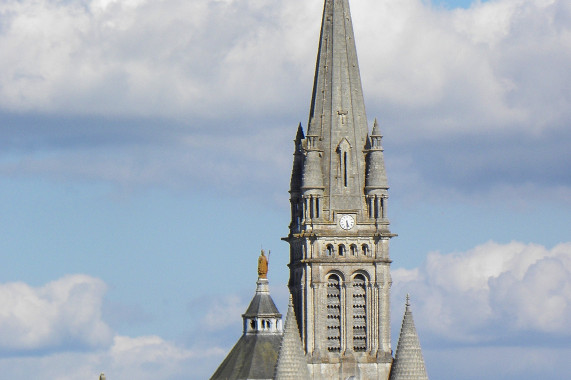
{"x":333,"y":314}
{"x":359,"y":314}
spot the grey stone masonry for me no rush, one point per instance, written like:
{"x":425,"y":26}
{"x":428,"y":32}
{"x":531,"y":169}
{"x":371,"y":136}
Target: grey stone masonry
{"x":339,"y":231}
{"x":408,"y":363}
{"x":292,"y":364}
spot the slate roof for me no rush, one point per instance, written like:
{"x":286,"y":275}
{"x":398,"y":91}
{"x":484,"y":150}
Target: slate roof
{"x":253,"y":357}
{"x":262,"y":304}
{"x":255,"y":354}
{"x":408,"y":363}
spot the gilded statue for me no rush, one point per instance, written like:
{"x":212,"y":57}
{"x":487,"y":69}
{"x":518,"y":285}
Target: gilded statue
{"x":263,"y":265}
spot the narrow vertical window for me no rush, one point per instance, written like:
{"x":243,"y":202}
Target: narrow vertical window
{"x":345,"y":168}
{"x":333,"y":314}
{"x":353,"y":250}
{"x":311,"y":214}
{"x":359,"y":314}
{"x":341,"y":250}
{"x":329,"y":250}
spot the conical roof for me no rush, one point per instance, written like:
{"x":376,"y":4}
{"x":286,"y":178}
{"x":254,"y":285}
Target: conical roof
{"x":262,"y":304}
{"x":376,"y":130}
{"x":408,"y":363}
{"x":292,"y":364}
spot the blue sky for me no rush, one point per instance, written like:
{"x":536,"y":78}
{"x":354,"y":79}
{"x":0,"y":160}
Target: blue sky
{"x":145,"y":153}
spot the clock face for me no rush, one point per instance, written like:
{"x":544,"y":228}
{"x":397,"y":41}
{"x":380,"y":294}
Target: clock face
{"x":346,"y":222}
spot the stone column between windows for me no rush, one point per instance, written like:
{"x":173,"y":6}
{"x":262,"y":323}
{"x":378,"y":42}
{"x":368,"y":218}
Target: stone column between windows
{"x":369,"y":313}
{"x":343,"y":315}
{"x":371,"y":207}
{"x":385,"y":310}
{"x":314,"y":337}
{"x":310,"y":294}
{"x":349,"y":323}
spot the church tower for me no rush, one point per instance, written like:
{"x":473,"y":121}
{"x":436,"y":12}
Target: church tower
{"x":339,"y":232}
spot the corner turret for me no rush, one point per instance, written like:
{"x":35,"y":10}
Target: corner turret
{"x":408,"y":363}
{"x":376,"y":183}
{"x":292,"y":364}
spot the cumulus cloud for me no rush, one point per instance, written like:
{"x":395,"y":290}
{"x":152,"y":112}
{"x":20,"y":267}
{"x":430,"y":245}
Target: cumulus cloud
{"x":481,"y":92}
{"x":505,"y":363}
{"x":56,"y":331}
{"x":142,"y":358}
{"x":497,"y":66}
{"x":63,"y":314}
{"x":500,"y":64}
{"x":146,"y":57}
{"x":492,"y":293}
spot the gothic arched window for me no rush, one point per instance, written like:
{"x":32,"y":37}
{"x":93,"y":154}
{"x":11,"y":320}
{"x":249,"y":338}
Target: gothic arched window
{"x":365,"y":249}
{"x":333,"y":313}
{"x":359,"y":314}
{"x":341,"y":250}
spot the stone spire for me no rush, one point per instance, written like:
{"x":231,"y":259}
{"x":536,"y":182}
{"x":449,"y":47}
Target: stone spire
{"x":339,"y":232}
{"x":337,"y":113}
{"x":408,"y":363}
{"x":292,"y":364}
{"x":102,"y":376}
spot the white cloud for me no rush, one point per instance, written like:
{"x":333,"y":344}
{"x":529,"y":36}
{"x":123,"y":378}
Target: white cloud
{"x":505,"y":363}
{"x":56,"y":331}
{"x":141,"y":358}
{"x":497,"y":65}
{"x":62,"y":314}
{"x":481,"y":91}
{"x":492,"y":292}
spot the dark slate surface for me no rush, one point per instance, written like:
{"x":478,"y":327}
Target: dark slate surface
{"x":262,"y":305}
{"x":253,"y":357}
